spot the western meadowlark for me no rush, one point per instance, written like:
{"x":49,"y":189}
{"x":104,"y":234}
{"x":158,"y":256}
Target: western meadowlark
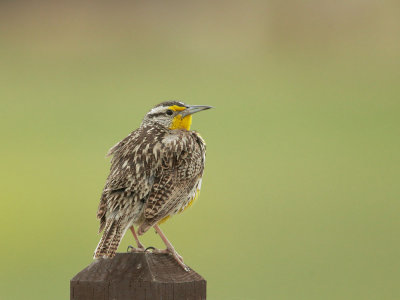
{"x":156,"y":172}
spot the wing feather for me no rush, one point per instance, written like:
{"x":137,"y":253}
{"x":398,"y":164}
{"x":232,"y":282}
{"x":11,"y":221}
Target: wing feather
{"x":155,"y":168}
{"x":134,"y":163}
{"x":182,"y":169}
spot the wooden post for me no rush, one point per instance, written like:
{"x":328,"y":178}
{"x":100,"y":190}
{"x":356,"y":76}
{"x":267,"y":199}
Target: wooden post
{"x":141,"y":276}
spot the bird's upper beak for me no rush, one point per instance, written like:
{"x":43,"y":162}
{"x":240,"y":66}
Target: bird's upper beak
{"x":191,"y":109}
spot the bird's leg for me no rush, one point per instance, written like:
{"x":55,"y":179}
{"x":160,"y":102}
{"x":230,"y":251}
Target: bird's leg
{"x":140,"y":247}
{"x":170,"y":249}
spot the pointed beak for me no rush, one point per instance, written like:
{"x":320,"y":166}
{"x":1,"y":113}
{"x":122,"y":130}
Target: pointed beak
{"x":193,"y":109}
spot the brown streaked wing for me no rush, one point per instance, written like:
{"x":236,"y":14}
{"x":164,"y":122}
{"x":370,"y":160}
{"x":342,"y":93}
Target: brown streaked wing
{"x":134,"y":162}
{"x":181,"y":169}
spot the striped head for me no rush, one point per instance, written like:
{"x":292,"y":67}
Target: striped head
{"x":173,"y":114}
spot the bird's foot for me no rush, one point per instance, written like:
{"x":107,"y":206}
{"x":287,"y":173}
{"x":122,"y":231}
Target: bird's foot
{"x":175,"y":255}
{"x":140,"y":248}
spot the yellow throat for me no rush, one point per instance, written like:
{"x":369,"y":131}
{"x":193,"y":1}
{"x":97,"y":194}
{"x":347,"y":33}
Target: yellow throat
{"x":178,"y":122}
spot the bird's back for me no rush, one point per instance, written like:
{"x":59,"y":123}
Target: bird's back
{"x":155,"y":173}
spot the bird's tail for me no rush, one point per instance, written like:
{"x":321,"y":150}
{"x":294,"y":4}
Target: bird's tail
{"x":110,"y":240}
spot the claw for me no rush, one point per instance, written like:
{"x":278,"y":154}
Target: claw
{"x":170,"y":249}
{"x":133,"y":249}
{"x":176,"y":256}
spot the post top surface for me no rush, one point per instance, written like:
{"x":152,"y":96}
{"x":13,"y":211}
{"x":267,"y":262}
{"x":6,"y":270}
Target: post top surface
{"x":143,"y":267}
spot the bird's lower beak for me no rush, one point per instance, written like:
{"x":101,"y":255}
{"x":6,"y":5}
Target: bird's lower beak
{"x":194,"y":109}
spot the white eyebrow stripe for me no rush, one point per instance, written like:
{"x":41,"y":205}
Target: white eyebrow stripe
{"x":157,"y":110}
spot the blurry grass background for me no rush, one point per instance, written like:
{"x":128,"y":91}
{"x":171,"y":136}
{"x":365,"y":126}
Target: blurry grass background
{"x":300,"y":195}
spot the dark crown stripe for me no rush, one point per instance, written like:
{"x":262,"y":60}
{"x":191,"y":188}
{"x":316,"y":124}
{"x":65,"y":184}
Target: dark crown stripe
{"x":171,"y":103}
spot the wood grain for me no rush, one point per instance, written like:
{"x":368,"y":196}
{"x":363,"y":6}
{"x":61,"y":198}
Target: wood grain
{"x":147,"y":276}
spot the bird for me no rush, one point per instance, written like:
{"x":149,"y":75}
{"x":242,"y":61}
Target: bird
{"x":156,"y":172}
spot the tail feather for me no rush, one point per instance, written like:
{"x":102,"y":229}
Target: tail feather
{"x":110,"y":240}
{"x":114,"y":243}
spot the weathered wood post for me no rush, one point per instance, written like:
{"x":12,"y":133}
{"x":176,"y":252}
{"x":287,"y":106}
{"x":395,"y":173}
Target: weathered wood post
{"x":147,"y":276}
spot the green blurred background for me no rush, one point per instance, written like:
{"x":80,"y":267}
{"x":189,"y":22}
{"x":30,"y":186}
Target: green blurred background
{"x":300,"y":196}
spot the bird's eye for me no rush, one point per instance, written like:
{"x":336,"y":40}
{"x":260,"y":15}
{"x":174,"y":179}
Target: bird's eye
{"x":169,"y":112}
